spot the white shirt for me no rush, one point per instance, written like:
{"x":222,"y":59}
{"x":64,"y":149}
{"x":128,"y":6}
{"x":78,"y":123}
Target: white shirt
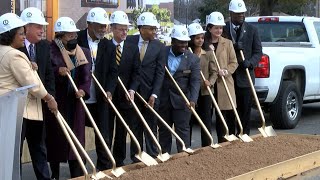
{"x":93,"y":45}
{"x":116,"y":44}
{"x":140,"y":44}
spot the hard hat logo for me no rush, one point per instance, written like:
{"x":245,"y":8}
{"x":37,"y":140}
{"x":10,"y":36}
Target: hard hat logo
{"x":184,"y":32}
{"x":93,"y":14}
{"x":59,"y":24}
{"x":112,"y":16}
{"x":219,"y":18}
{"x":143,"y":18}
{"x":239,"y":5}
{"x":5,"y":22}
{"x":105,"y":15}
{"x":125,"y":17}
{"x":29,"y":14}
{"x":72,"y":23}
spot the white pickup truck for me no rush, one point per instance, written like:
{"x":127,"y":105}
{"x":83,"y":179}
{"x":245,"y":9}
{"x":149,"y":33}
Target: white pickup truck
{"x":288,"y":74}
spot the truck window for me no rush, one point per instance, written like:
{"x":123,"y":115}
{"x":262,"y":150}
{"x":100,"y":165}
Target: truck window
{"x":317,"y":28}
{"x":282,"y":32}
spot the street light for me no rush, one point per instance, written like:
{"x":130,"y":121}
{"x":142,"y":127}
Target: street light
{"x":187,"y":6}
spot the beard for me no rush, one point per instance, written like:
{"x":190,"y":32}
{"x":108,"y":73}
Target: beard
{"x":99,"y":35}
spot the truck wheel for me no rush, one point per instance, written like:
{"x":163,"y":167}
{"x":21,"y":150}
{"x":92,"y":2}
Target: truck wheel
{"x":286,"y":111}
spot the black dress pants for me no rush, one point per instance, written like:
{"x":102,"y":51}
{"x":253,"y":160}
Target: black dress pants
{"x":34,"y":132}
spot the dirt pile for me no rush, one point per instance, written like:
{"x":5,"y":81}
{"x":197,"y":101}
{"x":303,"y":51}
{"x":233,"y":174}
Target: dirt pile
{"x":228,"y":161}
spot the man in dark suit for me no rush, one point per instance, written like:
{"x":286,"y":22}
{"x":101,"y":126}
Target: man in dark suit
{"x":152,"y":57}
{"x":245,"y":37}
{"x":38,"y":52}
{"x":127,"y":58}
{"x":105,"y":69}
{"x":184,"y":66}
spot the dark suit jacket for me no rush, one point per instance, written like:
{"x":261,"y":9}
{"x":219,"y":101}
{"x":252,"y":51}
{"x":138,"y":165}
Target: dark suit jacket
{"x":43,"y":61}
{"x":151,"y":68}
{"x":128,"y":70}
{"x":188,"y":78}
{"x":106,"y":69}
{"x":252,"y":50}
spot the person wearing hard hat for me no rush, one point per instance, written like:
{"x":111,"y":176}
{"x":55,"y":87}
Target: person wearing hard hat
{"x":227,"y":60}
{"x":128,"y":60}
{"x":209,"y":70}
{"x":67,"y":57}
{"x":245,"y":38}
{"x":105,"y":70}
{"x":152,"y":57}
{"x":184,"y":66}
{"x":16,"y":71}
{"x":38,"y":51}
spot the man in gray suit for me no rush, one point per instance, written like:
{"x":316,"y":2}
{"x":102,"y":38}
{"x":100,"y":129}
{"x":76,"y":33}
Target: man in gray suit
{"x":152,"y":57}
{"x":184,"y":66}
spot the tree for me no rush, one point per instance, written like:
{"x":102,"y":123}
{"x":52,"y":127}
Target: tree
{"x":136,"y":13}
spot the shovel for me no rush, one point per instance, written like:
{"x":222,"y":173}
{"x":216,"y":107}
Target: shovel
{"x":162,"y":157}
{"x":193,"y":111}
{"x":73,"y":147}
{"x":96,"y":176}
{"x":228,"y":137}
{"x":115,"y":171}
{"x":266,"y":131}
{"x":142,"y":156}
{"x":243,"y":137}
{"x":187,"y":150}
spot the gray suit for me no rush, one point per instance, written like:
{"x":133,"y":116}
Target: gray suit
{"x":173,"y":108}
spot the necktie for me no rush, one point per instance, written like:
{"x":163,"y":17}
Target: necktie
{"x":143,"y":50}
{"x":118,"y":54}
{"x":31,"y":53}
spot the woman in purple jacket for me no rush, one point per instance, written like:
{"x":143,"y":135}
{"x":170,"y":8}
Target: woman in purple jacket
{"x":68,"y":58}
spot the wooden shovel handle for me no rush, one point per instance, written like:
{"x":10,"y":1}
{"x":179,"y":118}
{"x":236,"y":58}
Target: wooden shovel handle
{"x":192,"y":109}
{"x":94,"y":125}
{"x":162,"y":120}
{"x":254,"y":94}
{"x":229,"y":95}
{"x":216,"y":106}
{"x":118,"y":114}
{"x":141,"y":116}
{"x":73,"y":147}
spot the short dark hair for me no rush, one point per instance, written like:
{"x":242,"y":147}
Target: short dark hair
{"x":6,"y":38}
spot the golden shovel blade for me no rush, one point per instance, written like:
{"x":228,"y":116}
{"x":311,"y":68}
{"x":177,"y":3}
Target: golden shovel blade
{"x":214,"y":146}
{"x":267,"y":131}
{"x":231,"y":137}
{"x":100,"y":175}
{"x":118,"y":171}
{"x":245,"y":138}
{"x":188,"y":150}
{"x":146,"y":159}
{"x":163,"y":157}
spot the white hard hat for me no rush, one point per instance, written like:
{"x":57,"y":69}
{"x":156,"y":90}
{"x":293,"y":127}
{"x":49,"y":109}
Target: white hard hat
{"x":65,"y":24}
{"x":10,"y":21}
{"x":147,"y":19}
{"x":237,"y":6}
{"x":180,"y":32}
{"x":216,"y":18}
{"x":195,"y":29}
{"x":98,"y":15}
{"x":119,"y":17}
{"x":33,"y":15}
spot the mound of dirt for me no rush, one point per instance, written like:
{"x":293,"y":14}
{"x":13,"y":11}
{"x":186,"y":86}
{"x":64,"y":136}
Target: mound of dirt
{"x":232,"y":159}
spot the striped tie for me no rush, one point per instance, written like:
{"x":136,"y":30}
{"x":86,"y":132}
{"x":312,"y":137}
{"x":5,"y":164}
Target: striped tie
{"x":31,"y":53}
{"x":118,"y":54}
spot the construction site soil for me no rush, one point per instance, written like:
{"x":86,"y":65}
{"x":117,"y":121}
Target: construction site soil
{"x":230,"y":160}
